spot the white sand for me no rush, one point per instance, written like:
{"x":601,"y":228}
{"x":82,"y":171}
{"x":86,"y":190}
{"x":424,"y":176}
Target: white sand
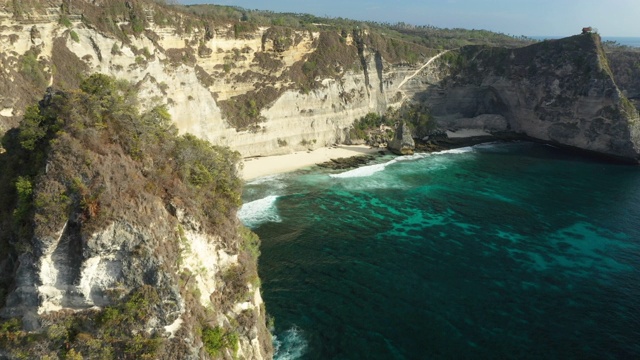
{"x":271,"y":165}
{"x":463,"y":133}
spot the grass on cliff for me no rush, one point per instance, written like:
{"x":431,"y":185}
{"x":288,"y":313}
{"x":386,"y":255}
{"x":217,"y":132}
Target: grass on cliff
{"x":395,"y":43}
{"x":91,"y":156}
{"x":104,"y":115}
{"x":417,"y":116}
{"x":115,"y":332}
{"x":331,"y":59}
{"x":425,"y":35}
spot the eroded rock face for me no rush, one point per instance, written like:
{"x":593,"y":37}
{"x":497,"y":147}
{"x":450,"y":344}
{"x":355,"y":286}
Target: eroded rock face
{"x":623,"y":64}
{"x":402,"y":142}
{"x":560,"y":91}
{"x":193,"y":74}
{"x":103,"y":239}
{"x":199,"y":74}
{"x":68,"y":275}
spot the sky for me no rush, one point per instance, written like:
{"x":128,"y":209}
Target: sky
{"x":513,"y":17}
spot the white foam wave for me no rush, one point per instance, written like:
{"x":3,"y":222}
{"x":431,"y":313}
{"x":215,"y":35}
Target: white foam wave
{"x":372,"y":169}
{"x":292,"y":346}
{"x":489,"y":145}
{"x":455,"y":151}
{"x":415,"y":156}
{"x":274,"y":182}
{"x":362,"y":171}
{"x":259,"y":212}
{"x":496,"y":147}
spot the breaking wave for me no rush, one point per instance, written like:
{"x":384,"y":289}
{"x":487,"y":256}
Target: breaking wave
{"x":259,"y":212}
{"x":372,"y":169}
{"x":362,"y":171}
{"x":462,"y":150}
{"x":292,"y":346}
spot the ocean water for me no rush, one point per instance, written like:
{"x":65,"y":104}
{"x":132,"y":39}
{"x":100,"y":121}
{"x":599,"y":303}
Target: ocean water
{"x":513,"y":250}
{"x":624,"y":40}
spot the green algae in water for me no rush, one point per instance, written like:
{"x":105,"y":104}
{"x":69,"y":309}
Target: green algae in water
{"x":497,"y":251}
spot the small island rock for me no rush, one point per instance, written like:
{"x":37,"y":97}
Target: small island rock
{"x":402,"y":142}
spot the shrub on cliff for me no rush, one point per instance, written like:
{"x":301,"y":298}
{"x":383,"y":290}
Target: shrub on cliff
{"x":331,"y":58}
{"x":417,"y":116}
{"x":104,"y":116}
{"x":368,"y":124}
{"x":85,"y":158}
{"x":216,"y":339}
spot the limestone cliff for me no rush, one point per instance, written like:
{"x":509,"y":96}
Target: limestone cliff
{"x":120,"y":238}
{"x":560,"y":91}
{"x":625,"y":65}
{"x":272,"y":89}
{"x":264,"y":91}
{"x":120,"y":230}
{"x":402,"y":142}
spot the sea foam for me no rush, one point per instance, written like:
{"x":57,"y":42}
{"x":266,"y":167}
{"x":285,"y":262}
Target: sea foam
{"x":362,"y":171}
{"x":372,"y":169}
{"x":259,"y":212}
{"x":292,"y":346}
{"x":455,"y":151}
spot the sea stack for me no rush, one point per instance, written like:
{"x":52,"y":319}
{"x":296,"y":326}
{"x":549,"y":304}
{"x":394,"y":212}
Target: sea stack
{"x":402,"y":142}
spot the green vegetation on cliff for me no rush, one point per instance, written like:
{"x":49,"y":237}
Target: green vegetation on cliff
{"x":425,"y":35}
{"x":377,"y":129}
{"x":338,"y":47}
{"x":472,"y":63}
{"x":93,"y":334}
{"x":86,"y":158}
{"x":104,"y":115}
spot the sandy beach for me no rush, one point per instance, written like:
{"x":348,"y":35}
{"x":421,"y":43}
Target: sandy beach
{"x":256,"y":167}
{"x":270,"y":165}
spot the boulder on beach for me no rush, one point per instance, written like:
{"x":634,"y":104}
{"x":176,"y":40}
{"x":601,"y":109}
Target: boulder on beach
{"x":402,"y":142}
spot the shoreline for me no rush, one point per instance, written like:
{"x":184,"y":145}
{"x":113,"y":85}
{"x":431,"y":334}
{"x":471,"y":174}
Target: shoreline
{"x":257,"y":167}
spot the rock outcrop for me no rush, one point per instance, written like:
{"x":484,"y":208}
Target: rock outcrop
{"x":123,"y":238}
{"x":559,"y":91}
{"x":402,"y":142}
{"x":625,"y":66}
{"x":248,"y":92}
{"x":274,"y":90}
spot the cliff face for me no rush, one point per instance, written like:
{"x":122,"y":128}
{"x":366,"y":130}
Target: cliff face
{"x":273,"y":90}
{"x":120,"y":238}
{"x":625,"y":65}
{"x":560,"y":91}
{"x":250,"y":91}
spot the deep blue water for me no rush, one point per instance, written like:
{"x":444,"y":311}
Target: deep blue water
{"x":624,"y":40}
{"x":510,"y":250}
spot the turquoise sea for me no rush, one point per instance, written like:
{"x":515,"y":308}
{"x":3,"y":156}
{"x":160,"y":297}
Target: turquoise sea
{"x":497,"y":251}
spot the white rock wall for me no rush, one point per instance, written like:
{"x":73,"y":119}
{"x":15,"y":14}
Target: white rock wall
{"x":300,"y":121}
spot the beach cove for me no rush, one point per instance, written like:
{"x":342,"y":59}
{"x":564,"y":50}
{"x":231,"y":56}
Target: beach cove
{"x":495,"y":250}
{"x":256,"y":167}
